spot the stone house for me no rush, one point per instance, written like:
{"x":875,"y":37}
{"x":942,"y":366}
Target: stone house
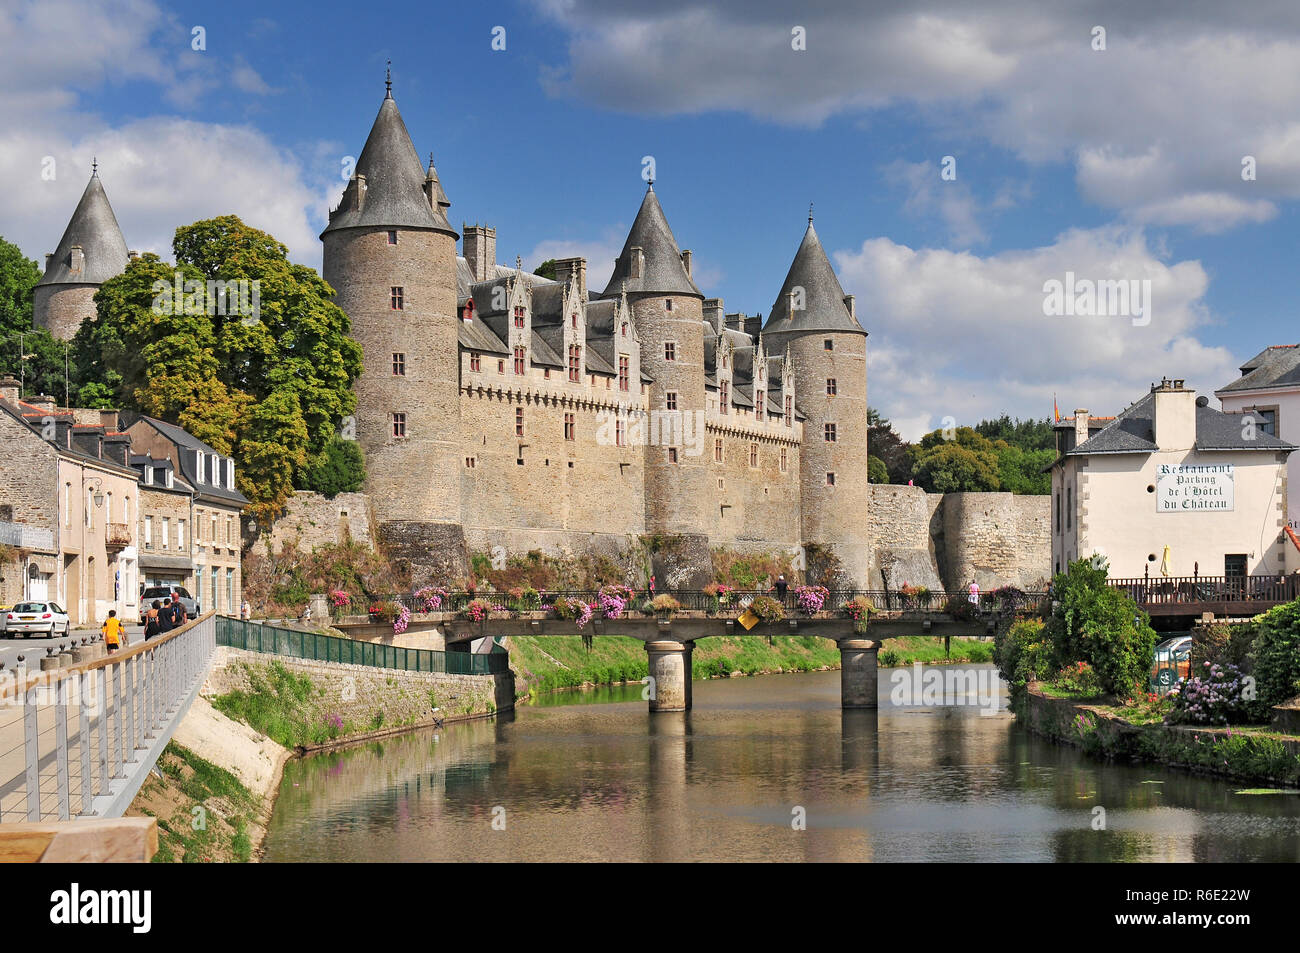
{"x":68,"y":503}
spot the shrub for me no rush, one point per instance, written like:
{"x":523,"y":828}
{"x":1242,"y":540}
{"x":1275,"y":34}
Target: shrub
{"x":1277,"y":655}
{"x":961,"y":608}
{"x":888,"y":658}
{"x":1022,"y":654}
{"x":339,"y":468}
{"x":665,"y":603}
{"x":1098,"y":624}
{"x":1211,"y":698}
{"x":1078,"y":679}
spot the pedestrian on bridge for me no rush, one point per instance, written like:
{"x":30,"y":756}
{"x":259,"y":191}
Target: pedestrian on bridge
{"x":975,"y":593}
{"x":114,"y":634}
{"x":781,"y":586}
{"x":153,"y":620}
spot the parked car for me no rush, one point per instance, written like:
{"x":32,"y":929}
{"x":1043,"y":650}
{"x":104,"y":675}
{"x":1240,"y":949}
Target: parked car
{"x":163,"y":594}
{"x":41,"y":618}
{"x":1173,"y":661}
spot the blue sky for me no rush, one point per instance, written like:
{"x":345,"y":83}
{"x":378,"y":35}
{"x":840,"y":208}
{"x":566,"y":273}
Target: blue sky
{"x":1118,"y":163}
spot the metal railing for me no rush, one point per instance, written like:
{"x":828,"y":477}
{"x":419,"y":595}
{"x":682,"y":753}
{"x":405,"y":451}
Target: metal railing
{"x":993,"y":602}
{"x":1184,"y":590}
{"x":312,"y":646}
{"x":78,"y":733}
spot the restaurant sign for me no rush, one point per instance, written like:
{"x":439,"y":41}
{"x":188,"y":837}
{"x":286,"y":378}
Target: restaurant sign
{"x":1182,"y":488}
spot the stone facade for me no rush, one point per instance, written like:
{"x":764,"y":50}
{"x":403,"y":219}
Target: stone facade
{"x":312,"y":520}
{"x":60,"y":309}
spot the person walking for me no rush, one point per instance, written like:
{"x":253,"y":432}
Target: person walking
{"x":153,"y":620}
{"x":975,"y":593}
{"x":173,"y":614}
{"x":114,"y":634}
{"x":781,"y":586}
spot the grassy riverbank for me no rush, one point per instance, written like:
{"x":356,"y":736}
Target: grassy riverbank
{"x":205,"y":815}
{"x":551,"y":663}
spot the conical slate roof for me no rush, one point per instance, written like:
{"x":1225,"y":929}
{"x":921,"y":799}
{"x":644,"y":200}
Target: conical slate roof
{"x":394,"y":196}
{"x":93,"y":227}
{"x":824,"y":308}
{"x":663,"y":272}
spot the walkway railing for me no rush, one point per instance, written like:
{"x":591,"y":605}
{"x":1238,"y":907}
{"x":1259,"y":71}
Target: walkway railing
{"x":992,"y":602}
{"x":78,"y":738}
{"x":256,"y":637}
{"x":1189,"y":590}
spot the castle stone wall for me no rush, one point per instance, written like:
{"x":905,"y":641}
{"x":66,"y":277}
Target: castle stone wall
{"x":60,"y":309}
{"x":756,"y":508}
{"x":310,"y":520}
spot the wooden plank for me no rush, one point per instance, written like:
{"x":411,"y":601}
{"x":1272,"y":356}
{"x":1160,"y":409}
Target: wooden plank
{"x":107,"y":840}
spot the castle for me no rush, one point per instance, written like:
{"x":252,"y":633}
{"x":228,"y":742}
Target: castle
{"x":501,"y":411}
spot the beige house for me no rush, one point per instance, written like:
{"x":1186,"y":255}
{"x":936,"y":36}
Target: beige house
{"x":1270,"y":387}
{"x":190,"y":528}
{"x":1170,"y":487}
{"x":68,"y":503}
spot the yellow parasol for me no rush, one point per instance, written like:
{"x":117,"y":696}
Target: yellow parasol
{"x":1164,"y":563}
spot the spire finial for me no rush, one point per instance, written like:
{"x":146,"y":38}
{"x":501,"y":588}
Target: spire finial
{"x":519,"y":263}
{"x":810,"y":207}
{"x":94,"y":167}
{"x":388,"y":81}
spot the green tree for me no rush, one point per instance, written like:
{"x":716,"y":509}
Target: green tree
{"x":546,"y":269}
{"x":266,"y":378}
{"x":967,"y":462}
{"x":884,"y":442}
{"x":339,"y":469}
{"x":877,"y":472}
{"x":1022,"y":471}
{"x":1276,"y":654}
{"x":1026,"y":434}
{"x":41,"y":369}
{"x":1099,"y":624}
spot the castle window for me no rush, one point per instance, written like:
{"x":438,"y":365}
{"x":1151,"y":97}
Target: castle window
{"x":475,"y":361}
{"x":1069,"y":506}
{"x":753,"y":454}
{"x":624,"y":371}
{"x":607,"y":383}
{"x":520,"y":360}
{"x":519,"y":317}
{"x":668,"y":304}
{"x":568,"y":427}
{"x":624,"y":329}
{"x":399,"y":430}
{"x":575,"y":363}
{"x":830,"y":479}
{"x":620,"y":438}
{"x":399,"y":364}
{"x":724,"y":362}
{"x":670,"y":351}
{"x":759,"y":401}
{"x":672,"y":454}
{"x":573,"y":320}
{"x":721,"y":484}
{"x":670,"y":400}
{"x":724,"y":396}
{"x":501,"y":366}
{"x":392,"y":236}
{"x":717,"y":449}
{"x":789,"y":411}
{"x":830,"y":387}
{"x":395,"y":297}
{"x":783,"y":459}
{"x":546,"y":373}
{"x":829,"y":344}
{"x":470,"y":463}
{"x":519,"y":421}
{"x":830,"y":433}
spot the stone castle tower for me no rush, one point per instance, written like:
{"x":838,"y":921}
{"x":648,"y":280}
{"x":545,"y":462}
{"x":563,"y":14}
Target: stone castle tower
{"x":390,"y":254}
{"x":91,"y":251}
{"x":667,"y":309}
{"x":827,"y":346}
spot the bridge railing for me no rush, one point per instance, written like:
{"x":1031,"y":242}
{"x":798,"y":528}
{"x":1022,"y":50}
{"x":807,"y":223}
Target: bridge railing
{"x":72,"y":732}
{"x":700,"y":600}
{"x":256,"y":637}
{"x":1183,"y":590}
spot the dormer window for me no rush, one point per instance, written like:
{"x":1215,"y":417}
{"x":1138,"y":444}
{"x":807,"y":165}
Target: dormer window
{"x":468,"y":314}
{"x":573,"y":320}
{"x":392,"y":236}
{"x":170,"y":478}
{"x":519,"y":317}
{"x":148,"y":476}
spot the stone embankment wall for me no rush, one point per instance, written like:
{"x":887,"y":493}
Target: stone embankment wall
{"x":942,"y":541}
{"x":311,"y":520}
{"x":356,"y":692}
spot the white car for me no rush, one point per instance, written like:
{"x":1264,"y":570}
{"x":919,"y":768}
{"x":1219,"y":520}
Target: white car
{"x":41,"y":618}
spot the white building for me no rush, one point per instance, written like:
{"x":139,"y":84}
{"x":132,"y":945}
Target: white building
{"x":1270,"y":387}
{"x":1171,"y":487}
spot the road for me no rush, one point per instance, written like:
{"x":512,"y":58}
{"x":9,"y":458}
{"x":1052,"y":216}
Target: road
{"x":33,"y":647}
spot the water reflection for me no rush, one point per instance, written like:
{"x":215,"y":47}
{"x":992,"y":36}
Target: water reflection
{"x":727,"y":780}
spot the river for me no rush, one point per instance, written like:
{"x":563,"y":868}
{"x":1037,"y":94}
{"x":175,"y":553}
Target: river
{"x":594,"y":776}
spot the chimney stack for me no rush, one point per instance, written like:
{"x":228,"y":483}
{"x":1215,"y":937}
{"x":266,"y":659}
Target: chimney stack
{"x":637,"y":264}
{"x":713,"y":313}
{"x":565,"y":268}
{"x":1174,"y":420}
{"x":9,"y":388}
{"x":480,"y":246}
{"x":686,"y":261}
{"x":1081,"y":420}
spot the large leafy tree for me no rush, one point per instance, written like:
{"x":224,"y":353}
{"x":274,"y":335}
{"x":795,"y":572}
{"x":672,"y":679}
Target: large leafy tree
{"x":960,"y":461}
{"x":886,"y":445}
{"x":26,"y":353}
{"x":266,"y":378}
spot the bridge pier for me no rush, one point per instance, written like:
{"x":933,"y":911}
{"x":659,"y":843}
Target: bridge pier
{"x":859,"y":673}
{"x":670,"y":669}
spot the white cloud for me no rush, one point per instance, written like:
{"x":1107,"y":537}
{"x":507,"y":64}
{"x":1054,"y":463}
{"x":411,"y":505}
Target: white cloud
{"x":600,"y":254}
{"x":1158,"y":121}
{"x":955,"y":334}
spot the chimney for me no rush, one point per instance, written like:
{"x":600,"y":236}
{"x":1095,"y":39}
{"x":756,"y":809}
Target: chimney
{"x":9,"y":390}
{"x":1081,"y":420}
{"x":686,"y":261}
{"x":63,"y":432}
{"x":361,"y":190}
{"x":848,"y":303}
{"x":78,"y":260}
{"x":480,"y":246}
{"x":637,"y":264}
{"x":713,"y":313}
{"x":1174,"y":420}
{"x":42,"y":402}
{"x":133,"y":254}
{"x":565,"y":268}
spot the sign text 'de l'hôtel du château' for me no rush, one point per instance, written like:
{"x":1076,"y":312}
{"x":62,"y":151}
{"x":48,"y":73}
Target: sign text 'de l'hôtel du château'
{"x":1183,"y":487}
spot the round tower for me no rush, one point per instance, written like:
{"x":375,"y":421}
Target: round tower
{"x":668,"y":312}
{"x":390,"y":256}
{"x":91,"y":251}
{"x":828,"y":351}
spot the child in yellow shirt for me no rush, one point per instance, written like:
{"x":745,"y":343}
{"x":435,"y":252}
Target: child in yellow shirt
{"x":114,"y":634}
